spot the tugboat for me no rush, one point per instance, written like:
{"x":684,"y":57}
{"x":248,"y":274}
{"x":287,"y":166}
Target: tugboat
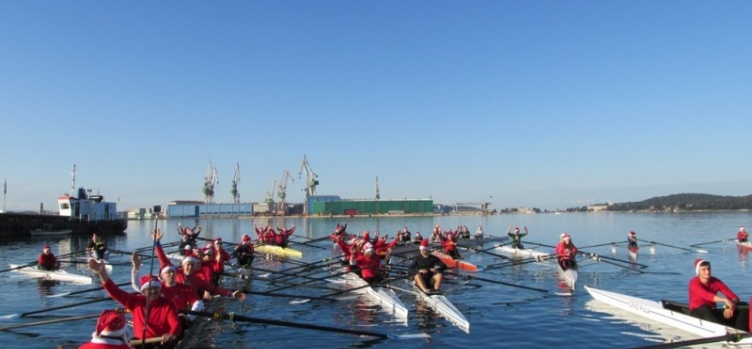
{"x":81,"y":214}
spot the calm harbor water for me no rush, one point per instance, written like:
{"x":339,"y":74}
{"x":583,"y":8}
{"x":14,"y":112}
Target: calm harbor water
{"x":499,"y":315}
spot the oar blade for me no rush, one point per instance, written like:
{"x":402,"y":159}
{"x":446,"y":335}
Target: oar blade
{"x":300,"y":301}
{"x":58,"y":295}
{"x":11,"y":316}
{"x":411,"y":336}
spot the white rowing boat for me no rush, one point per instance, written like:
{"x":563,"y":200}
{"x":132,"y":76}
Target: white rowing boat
{"x":569,"y":275}
{"x":61,"y":275}
{"x":512,"y":252}
{"x":657,"y":311}
{"x":443,"y":306}
{"x":384,"y":297}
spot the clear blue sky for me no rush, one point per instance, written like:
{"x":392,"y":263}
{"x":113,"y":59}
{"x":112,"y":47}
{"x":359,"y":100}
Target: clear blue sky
{"x":549,"y":104}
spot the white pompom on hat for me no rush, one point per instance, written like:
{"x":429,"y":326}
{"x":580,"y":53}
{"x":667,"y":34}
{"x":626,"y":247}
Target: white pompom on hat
{"x":190,"y":259}
{"x":698,"y":263}
{"x":424,"y":244}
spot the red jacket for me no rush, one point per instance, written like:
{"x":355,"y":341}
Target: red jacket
{"x":369,"y":267}
{"x":47,"y":260}
{"x":163,"y":316}
{"x":701,"y":294}
{"x":566,"y":252}
{"x":181,"y":295}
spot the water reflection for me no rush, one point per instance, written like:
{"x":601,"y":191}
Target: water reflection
{"x":47,"y":287}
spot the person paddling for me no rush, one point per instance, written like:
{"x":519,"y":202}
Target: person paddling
{"x":742,"y":235}
{"x":703,"y":299}
{"x":426,"y":270}
{"x":566,"y":252}
{"x":632,"y":241}
{"x":162,"y":320}
{"x":97,"y":248}
{"x":516,"y":237}
{"x":182,"y":296}
{"x":367,"y":266}
{"x":243,"y":252}
{"x":111,"y":332}
{"x":47,"y":260}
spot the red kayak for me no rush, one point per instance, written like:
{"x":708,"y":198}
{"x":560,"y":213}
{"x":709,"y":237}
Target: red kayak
{"x":454,"y":263}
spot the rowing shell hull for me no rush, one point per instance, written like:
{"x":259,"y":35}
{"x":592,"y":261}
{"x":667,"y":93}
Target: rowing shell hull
{"x":744,"y":245}
{"x":512,"y":252}
{"x":443,"y":306}
{"x":61,"y":275}
{"x":279,"y":251}
{"x":454,"y":263}
{"x":633,"y":252}
{"x":569,"y":275}
{"x":384,"y":297}
{"x":655,"y":311}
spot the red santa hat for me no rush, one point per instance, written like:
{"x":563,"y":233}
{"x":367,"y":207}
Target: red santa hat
{"x":366,"y":236}
{"x":111,"y":323}
{"x":517,"y":229}
{"x":46,"y":247}
{"x":741,"y":228}
{"x":209,"y":250}
{"x":631,"y":233}
{"x":246,"y":238}
{"x":166,"y":269}
{"x":149,"y":281}
{"x":217,"y":239}
{"x":424,"y":244}
{"x":565,"y":236}
{"x":699,"y":262}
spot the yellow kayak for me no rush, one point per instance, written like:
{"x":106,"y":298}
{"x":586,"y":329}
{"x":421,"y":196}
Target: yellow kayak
{"x":279,"y":251}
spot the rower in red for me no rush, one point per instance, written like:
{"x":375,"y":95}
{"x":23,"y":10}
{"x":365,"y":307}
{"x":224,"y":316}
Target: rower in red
{"x":703,"y":299}
{"x":566,"y":252}
{"x":742,"y":235}
{"x":47,"y":260}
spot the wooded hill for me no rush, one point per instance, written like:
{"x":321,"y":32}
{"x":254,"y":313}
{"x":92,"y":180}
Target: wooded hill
{"x":687,"y":202}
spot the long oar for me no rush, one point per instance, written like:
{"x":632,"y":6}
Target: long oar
{"x":713,"y":242}
{"x":20,"y":267}
{"x":679,"y":248}
{"x":614,"y":259}
{"x":561,"y":294}
{"x":13,"y":316}
{"x":250,"y":277}
{"x":327,"y":297}
{"x":47,"y":322}
{"x":487,"y":252}
{"x":84,"y":291}
{"x":236,"y":318}
{"x":518,"y":262}
{"x":731,"y":337}
{"x":599,"y":245}
{"x":598,"y":258}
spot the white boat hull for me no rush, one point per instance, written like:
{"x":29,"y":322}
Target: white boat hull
{"x":61,"y":275}
{"x":40,"y":232}
{"x":569,"y":276}
{"x":512,"y":252}
{"x":655,"y":311}
{"x":443,"y":306}
{"x":384,"y":297}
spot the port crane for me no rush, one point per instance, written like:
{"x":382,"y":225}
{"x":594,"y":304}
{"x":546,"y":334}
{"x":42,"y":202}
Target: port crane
{"x":210,"y":180}
{"x":282,"y":192}
{"x":269,"y":200}
{"x":312,"y":180}
{"x":235,"y":181}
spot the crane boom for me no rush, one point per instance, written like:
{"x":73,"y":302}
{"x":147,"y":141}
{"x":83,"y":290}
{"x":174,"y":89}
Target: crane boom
{"x":312,"y":180}
{"x":235,"y":181}
{"x":210,"y":180}
{"x":282,"y":191}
